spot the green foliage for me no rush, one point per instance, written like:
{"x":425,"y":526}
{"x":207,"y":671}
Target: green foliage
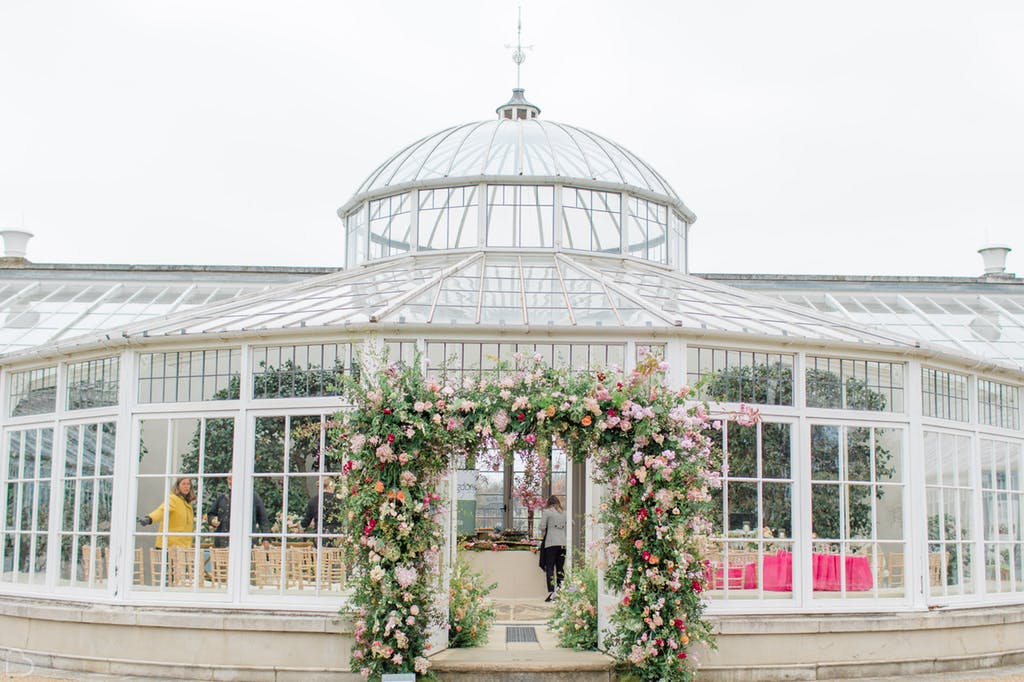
{"x":574,"y":619}
{"x":269,"y":439}
{"x":470,"y":614}
{"x":772,"y":385}
{"x":762,"y":384}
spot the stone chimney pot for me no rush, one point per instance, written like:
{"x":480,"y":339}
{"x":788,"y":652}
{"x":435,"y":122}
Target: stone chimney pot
{"x":15,"y":243}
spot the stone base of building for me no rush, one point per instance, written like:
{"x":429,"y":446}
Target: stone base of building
{"x":850,"y":646}
{"x":201,"y":643}
{"x":186,"y":642}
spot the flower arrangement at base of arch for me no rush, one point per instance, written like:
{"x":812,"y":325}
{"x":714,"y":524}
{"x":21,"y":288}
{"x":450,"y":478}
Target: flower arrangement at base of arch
{"x":650,"y":450}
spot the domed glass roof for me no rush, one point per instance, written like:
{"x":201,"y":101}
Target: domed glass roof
{"x":505,"y":147}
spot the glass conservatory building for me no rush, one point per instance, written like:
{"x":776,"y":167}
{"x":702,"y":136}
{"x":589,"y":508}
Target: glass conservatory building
{"x":872,"y":519}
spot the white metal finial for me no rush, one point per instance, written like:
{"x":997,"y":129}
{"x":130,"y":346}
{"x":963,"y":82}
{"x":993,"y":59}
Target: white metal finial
{"x":518,"y":54}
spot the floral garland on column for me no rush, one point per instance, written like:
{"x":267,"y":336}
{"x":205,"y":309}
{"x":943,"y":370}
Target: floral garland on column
{"x":650,"y":448}
{"x":397,"y":454}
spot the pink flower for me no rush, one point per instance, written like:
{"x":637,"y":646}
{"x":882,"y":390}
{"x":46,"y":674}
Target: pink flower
{"x":405,"y":575}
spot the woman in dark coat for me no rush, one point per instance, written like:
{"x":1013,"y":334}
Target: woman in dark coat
{"x":552,"y":525}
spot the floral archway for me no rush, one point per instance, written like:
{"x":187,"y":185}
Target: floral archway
{"x":649,"y":448}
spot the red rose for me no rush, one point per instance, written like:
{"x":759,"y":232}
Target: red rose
{"x":391,"y":438}
{"x":387,"y":410}
{"x":521,"y":417}
{"x":697,"y":587}
{"x":681,"y":654}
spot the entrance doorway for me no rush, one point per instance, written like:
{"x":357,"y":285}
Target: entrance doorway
{"x":499,"y":509}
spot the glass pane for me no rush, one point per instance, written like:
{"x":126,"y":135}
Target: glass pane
{"x":219,"y":445}
{"x":743,"y":504}
{"x":269,"y":444}
{"x":775,"y":443}
{"x":858,"y":454}
{"x":742,"y":450}
{"x":777,"y":510}
{"x":858,"y":511}
{"x":825,"y":511}
{"x":889,"y":508}
{"x":889,"y":455}
{"x":824,"y":452}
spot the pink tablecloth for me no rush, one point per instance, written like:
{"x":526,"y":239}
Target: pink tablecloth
{"x":737,"y":577}
{"x":778,"y":572}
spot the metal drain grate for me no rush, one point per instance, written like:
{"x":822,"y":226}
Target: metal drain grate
{"x":520,"y":634}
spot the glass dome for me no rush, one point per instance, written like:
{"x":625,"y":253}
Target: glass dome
{"x":508,"y":147}
{"x":557,"y":186}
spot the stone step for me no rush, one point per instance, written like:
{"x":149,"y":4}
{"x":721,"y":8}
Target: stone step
{"x":525,"y":664}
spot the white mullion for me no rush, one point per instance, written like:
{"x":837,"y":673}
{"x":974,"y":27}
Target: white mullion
{"x":4,"y":477}
{"x":76,"y":513}
{"x":19,"y":504}
{"x":239,"y":559}
{"x":121,"y":565}
{"x":624,"y":214}
{"x":802,"y":498}
{"x":482,"y":216}
{"x":414,"y":221}
{"x":557,"y":222}
{"x":164,"y":491}
{"x":915,"y":524}
{"x":198,"y":488}
{"x":53,"y":532}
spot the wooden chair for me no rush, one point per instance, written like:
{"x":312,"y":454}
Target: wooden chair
{"x":139,"y":571}
{"x":183,"y":566}
{"x":893,"y":573}
{"x":217,"y":573}
{"x":332,"y":569}
{"x":936,"y":561}
{"x":94,"y":563}
{"x":158,"y":572}
{"x":301,"y":569}
{"x":266,"y":567}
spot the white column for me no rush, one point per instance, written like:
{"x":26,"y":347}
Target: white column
{"x":239,"y":556}
{"x":122,"y":513}
{"x":802,"y":546}
{"x":915,"y":514}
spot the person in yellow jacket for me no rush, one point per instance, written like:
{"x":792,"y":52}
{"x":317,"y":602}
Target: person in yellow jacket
{"x":175,"y":514}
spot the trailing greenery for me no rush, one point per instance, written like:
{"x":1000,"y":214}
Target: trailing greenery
{"x":470,"y":614}
{"x":574,"y":619}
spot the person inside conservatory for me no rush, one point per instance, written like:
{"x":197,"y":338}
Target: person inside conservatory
{"x":176,"y":515}
{"x":219,"y":517}
{"x":326,"y":516}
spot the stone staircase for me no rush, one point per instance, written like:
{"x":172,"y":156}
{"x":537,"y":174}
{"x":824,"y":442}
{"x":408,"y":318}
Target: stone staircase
{"x":522,"y":651}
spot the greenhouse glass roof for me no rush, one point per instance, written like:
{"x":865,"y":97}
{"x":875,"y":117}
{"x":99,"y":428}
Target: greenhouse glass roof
{"x":47,"y":304}
{"x":508,"y":289}
{"x":978,"y":316}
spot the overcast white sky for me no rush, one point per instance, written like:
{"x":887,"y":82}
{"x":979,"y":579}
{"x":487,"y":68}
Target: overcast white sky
{"x":809,"y":137}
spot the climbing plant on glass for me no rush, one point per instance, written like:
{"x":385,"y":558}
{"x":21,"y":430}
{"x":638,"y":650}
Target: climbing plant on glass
{"x":650,"y":449}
